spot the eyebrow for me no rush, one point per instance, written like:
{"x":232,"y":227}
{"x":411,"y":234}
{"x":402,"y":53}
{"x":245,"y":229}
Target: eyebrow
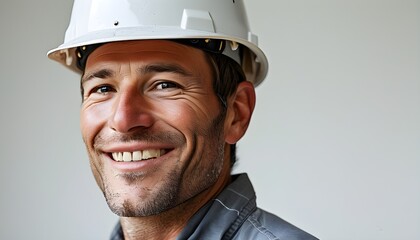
{"x":144,"y":70}
{"x":102,"y":73}
{"x":161,"y":68}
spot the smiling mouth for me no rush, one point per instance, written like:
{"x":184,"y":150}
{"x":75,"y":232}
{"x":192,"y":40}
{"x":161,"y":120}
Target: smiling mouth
{"x":137,"y":155}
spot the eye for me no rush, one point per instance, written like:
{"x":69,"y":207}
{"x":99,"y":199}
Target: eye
{"x":166,"y":85}
{"x":104,"y":89}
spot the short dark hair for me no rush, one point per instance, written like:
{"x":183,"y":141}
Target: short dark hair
{"x":227,"y":75}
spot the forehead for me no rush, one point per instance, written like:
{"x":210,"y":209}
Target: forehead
{"x":158,"y":50}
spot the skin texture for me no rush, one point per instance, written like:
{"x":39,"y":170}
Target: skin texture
{"x":158,"y":95}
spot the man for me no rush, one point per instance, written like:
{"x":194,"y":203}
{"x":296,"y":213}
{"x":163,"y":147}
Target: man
{"x":168,"y":90}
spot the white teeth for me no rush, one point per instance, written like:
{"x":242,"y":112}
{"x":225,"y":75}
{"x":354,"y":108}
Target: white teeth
{"x":151,"y":154}
{"x":126,"y":157}
{"x":137,"y":155}
{"x":117,"y":156}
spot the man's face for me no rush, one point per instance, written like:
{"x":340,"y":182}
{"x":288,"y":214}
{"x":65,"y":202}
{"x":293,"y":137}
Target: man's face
{"x":152,"y":125}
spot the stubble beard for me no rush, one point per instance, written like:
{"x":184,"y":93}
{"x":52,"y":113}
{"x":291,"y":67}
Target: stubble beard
{"x":156,"y":204}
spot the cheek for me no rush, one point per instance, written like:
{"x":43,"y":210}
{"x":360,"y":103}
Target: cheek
{"x":92,"y":119}
{"x":188,"y":117}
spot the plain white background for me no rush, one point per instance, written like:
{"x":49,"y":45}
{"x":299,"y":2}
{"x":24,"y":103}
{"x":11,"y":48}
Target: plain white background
{"x":333,"y":146}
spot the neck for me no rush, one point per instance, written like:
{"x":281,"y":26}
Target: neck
{"x":161,"y":226}
{"x":169,"y":224}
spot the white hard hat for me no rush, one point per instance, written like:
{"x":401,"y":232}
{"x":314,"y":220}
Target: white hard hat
{"x":102,"y":21}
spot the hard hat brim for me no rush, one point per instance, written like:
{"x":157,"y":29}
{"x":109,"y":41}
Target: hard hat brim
{"x":65,"y":53}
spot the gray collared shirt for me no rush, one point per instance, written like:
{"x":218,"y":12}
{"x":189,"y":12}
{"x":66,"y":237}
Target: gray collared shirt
{"x":235,"y":215}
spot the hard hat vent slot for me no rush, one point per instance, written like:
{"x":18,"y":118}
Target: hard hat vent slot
{"x":197,"y":20}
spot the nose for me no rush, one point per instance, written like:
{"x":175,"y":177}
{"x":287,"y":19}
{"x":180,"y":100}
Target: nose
{"x":130,"y":111}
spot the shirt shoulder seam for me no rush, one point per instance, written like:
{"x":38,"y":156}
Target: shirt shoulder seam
{"x":260,"y":228}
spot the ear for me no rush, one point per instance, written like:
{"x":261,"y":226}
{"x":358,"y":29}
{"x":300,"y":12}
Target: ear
{"x":240,"y":109}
